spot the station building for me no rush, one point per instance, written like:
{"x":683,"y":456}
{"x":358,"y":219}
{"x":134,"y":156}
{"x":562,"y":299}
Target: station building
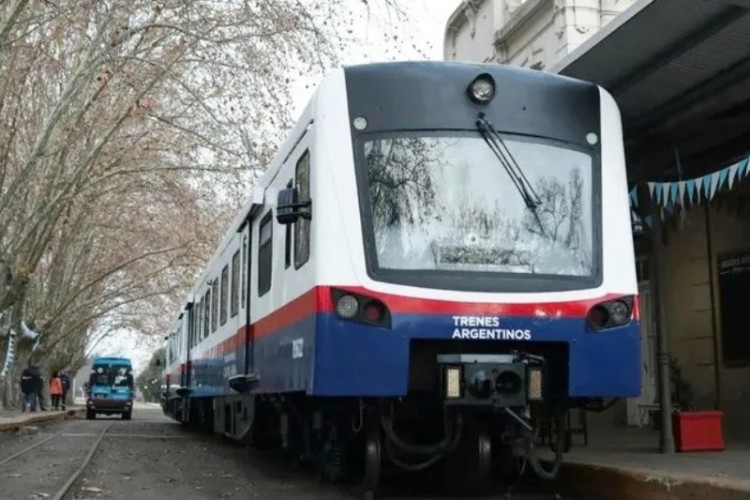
{"x":680,"y":72}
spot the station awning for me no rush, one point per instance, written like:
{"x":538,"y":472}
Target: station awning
{"x":680,"y":71}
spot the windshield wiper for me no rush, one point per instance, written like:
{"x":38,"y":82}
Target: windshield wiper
{"x":514,"y":170}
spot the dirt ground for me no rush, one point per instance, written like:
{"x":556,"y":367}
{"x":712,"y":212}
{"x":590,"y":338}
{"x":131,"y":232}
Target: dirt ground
{"x":151,"y":457}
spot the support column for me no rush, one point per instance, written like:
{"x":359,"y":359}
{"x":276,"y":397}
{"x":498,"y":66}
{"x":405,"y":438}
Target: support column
{"x":714,"y":328}
{"x":666,"y":439}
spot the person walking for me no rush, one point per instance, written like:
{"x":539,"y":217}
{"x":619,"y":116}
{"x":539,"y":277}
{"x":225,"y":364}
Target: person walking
{"x":38,"y":385}
{"x":28,"y":388}
{"x":65,"y":380}
{"x":55,"y":390}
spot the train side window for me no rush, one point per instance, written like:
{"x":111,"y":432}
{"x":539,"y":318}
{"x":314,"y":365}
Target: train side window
{"x":302,"y":226}
{"x":199,"y":329}
{"x":235,"y":283}
{"x":196,"y":322}
{"x":265,"y":253}
{"x":288,"y":239}
{"x":202,"y":313}
{"x":191,"y":326}
{"x":206,"y":312}
{"x":215,"y":305}
{"x":224,"y":295}
{"x":245,"y":256}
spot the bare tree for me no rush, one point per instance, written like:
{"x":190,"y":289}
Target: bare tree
{"x":130,"y":130}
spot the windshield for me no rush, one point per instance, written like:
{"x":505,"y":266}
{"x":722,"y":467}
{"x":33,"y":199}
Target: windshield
{"x":447,"y":204}
{"x":117,"y":376}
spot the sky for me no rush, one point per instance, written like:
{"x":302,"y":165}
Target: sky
{"x":425,"y":31}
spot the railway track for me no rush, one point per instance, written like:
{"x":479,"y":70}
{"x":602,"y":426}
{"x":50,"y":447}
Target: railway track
{"x":71,"y":478}
{"x":153,"y":456}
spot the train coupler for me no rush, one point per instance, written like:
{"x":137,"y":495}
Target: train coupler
{"x":495,"y":380}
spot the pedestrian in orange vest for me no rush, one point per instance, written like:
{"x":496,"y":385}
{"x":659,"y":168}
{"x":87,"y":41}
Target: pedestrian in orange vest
{"x":55,"y":390}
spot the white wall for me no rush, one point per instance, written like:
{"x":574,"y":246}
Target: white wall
{"x":528,"y":33}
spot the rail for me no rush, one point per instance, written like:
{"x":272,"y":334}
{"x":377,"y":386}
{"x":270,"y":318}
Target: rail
{"x":60,"y":494}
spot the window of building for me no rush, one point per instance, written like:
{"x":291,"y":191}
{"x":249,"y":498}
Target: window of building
{"x":215,"y":305}
{"x":235,"y":283}
{"x":734,"y":288}
{"x":224,"y":294}
{"x":302,"y":226}
{"x":265,"y":254}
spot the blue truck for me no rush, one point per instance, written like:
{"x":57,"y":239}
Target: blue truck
{"x":110,"y":388}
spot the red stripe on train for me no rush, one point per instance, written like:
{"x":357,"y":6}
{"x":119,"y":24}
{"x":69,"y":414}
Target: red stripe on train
{"x":412,"y":305}
{"x":319,"y":299}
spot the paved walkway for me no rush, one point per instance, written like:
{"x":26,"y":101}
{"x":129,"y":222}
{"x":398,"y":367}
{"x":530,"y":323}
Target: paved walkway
{"x":630,"y":459}
{"x":14,"y":419}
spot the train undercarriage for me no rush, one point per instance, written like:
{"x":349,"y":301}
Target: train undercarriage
{"x":485,"y":421}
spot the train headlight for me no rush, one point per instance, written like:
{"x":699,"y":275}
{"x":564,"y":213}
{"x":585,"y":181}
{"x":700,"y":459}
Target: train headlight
{"x":453,"y":382}
{"x":619,"y":312}
{"x":534,"y":384}
{"x":611,"y":314}
{"x":482,"y":89}
{"x":347,"y":306}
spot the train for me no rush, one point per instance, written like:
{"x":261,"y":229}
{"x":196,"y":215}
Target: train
{"x":435,"y":268}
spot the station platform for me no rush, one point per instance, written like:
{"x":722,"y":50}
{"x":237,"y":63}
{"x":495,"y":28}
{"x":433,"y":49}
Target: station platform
{"x":15,"y":419}
{"x":625,"y":463}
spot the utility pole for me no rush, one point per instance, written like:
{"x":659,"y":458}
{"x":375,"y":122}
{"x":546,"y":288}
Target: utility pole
{"x":666,"y":439}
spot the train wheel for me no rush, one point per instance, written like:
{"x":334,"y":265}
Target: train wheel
{"x":373,"y":460}
{"x":467,"y":469}
{"x":553,"y":435}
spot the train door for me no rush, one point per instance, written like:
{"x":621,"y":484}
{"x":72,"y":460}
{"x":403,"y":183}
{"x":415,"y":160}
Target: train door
{"x":245,"y":297}
{"x":191,"y":318}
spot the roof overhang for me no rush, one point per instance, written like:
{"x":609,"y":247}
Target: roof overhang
{"x":680,"y":72}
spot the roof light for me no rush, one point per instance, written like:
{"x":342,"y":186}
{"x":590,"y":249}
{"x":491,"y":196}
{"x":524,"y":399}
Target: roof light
{"x":482,"y":89}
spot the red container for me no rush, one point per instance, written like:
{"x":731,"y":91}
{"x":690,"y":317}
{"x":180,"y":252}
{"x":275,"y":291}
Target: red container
{"x":698,"y":431}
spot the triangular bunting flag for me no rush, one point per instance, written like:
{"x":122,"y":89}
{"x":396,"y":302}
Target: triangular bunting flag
{"x":682,"y":194}
{"x":690,"y":190}
{"x":634,"y":197}
{"x":723,"y":177}
{"x":699,"y":188}
{"x":670,"y":195}
{"x":714,"y":185}
{"x":733,"y":174}
{"x":743,"y":167}
{"x":707,"y":186}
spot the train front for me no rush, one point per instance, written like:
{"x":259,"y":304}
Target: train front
{"x":498,"y":285}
